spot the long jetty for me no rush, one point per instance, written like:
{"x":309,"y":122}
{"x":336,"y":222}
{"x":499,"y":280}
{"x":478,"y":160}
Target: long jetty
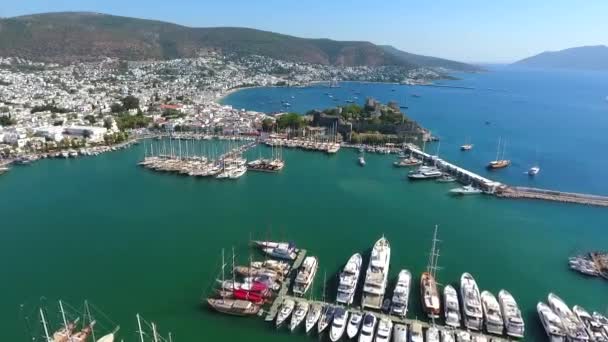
{"x":501,"y":190}
{"x":283,"y":294}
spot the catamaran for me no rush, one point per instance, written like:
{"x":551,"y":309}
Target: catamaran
{"x":514,"y":323}
{"x":338,"y":325}
{"x":491,"y":311}
{"x":551,"y":322}
{"x":305,"y":276}
{"x":298,"y":315}
{"x":354,"y":323}
{"x":348,"y":280}
{"x":377,"y":275}
{"x":469,"y":292}
{"x":451,"y":307}
{"x":428,"y":284}
{"x":401,"y":294}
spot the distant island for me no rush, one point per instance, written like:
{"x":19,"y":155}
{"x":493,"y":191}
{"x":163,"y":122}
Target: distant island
{"x":583,"y":58}
{"x":79,"y":36}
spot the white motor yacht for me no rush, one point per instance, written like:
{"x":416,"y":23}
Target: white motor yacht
{"x":348,"y":280}
{"x":338,"y":325}
{"x":306,"y":275}
{"x":511,"y":315}
{"x":376,"y":276}
{"x":367,"y":328}
{"x":451,"y":307}
{"x":401,"y":294}
{"x":354,"y":324}
{"x":466,"y":190}
{"x":400,"y":333}
{"x":472,"y":312}
{"x":491,"y":311}
{"x":385,"y":329}
{"x":551,"y":322}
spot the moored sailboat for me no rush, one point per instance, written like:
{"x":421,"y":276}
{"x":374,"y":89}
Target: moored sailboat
{"x":428,"y":285}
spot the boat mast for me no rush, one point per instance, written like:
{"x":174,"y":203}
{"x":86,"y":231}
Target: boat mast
{"x":154,"y":333}
{"x":170,"y":337}
{"x":498,"y":150}
{"x":141,"y":332}
{"x":324,"y":281}
{"x":223,"y":267}
{"x":89,"y":317}
{"x":65,"y":322}
{"x":45,"y":326}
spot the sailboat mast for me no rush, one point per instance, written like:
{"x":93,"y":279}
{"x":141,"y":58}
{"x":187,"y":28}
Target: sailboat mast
{"x":170,"y":337}
{"x":223,"y":271}
{"x":65,"y":321}
{"x":141,"y":332}
{"x":90,"y":318}
{"x":324,"y":282}
{"x":45,"y":326}
{"x":154,"y":333}
{"x":498,"y":150}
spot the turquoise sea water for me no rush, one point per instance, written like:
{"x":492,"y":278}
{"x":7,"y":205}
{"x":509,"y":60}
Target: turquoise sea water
{"x":557,"y":119}
{"x":131,"y":240}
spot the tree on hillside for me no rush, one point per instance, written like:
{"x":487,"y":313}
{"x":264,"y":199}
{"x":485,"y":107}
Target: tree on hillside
{"x":130,"y":102}
{"x":6,"y":120}
{"x":116,"y":108}
{"x":267,"y":124}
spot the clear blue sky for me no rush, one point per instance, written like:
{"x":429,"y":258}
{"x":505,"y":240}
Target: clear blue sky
{"x":466,"y":30}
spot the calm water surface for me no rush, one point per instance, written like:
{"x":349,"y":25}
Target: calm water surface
{"x":131,"y":240}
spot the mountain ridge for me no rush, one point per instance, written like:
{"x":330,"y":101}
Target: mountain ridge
{"x":591,"y":57}
{"x":73,"y":36}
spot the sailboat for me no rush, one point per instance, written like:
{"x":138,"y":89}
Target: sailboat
{"x":230,"y":306}
{"x":428,"y":284}
{"x":499,"y":163}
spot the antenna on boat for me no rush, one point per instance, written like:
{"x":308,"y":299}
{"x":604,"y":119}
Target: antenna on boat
{"x":140,"y":331}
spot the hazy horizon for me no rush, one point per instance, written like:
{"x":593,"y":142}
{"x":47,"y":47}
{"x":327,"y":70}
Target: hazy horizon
{"x":471,"y":31}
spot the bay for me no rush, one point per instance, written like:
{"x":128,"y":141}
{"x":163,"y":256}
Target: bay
{"x":131,"y":240}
